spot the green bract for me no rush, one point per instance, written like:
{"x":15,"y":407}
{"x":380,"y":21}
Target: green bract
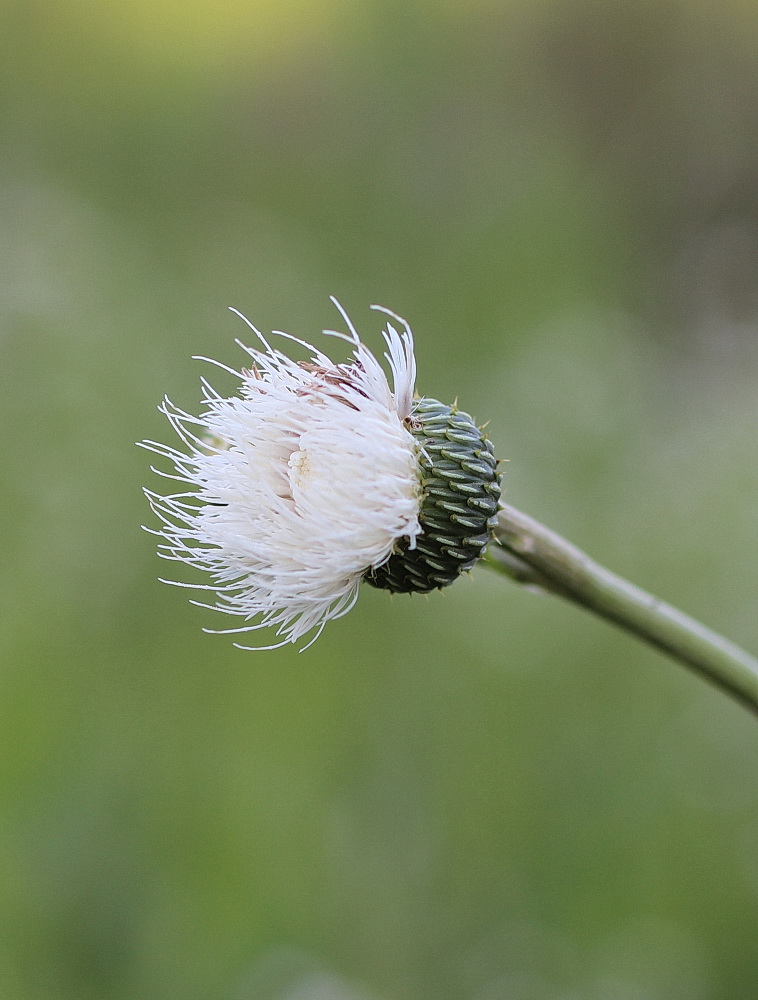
{"x":460,"y":492}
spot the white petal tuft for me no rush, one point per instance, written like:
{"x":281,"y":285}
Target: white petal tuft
{"x":298,"y":485}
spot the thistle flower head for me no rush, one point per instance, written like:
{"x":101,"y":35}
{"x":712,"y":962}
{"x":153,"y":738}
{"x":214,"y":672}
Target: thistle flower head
{"x":319,"y":475}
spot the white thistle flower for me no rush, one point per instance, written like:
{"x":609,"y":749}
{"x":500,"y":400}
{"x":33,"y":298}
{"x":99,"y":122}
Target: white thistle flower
{"x":317,"y":476}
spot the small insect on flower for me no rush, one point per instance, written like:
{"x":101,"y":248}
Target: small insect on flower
{"x":318,"y":476}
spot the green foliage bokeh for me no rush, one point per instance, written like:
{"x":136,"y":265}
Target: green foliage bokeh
{"x":482,"y":795}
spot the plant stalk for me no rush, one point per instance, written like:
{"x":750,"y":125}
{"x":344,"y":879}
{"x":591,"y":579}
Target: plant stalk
{"x":533,"y":555}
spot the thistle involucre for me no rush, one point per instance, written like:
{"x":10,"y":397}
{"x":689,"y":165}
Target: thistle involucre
{"x":318,"y":476}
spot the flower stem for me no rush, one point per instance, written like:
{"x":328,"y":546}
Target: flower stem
{"x":533,"y":555}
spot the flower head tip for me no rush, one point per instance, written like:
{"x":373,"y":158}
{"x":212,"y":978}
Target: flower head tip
{"x":319,"y":475}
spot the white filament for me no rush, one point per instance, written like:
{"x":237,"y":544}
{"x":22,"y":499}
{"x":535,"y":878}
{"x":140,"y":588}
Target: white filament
{"x":297,"y":486}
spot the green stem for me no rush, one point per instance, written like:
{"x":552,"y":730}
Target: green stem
{"x":533,"y":555}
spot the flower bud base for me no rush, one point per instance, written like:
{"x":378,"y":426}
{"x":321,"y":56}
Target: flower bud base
{"x":460,"y":493}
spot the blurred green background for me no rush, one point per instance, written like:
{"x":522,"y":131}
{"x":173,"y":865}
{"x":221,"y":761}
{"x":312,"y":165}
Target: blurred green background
{"x":482,"y":795}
